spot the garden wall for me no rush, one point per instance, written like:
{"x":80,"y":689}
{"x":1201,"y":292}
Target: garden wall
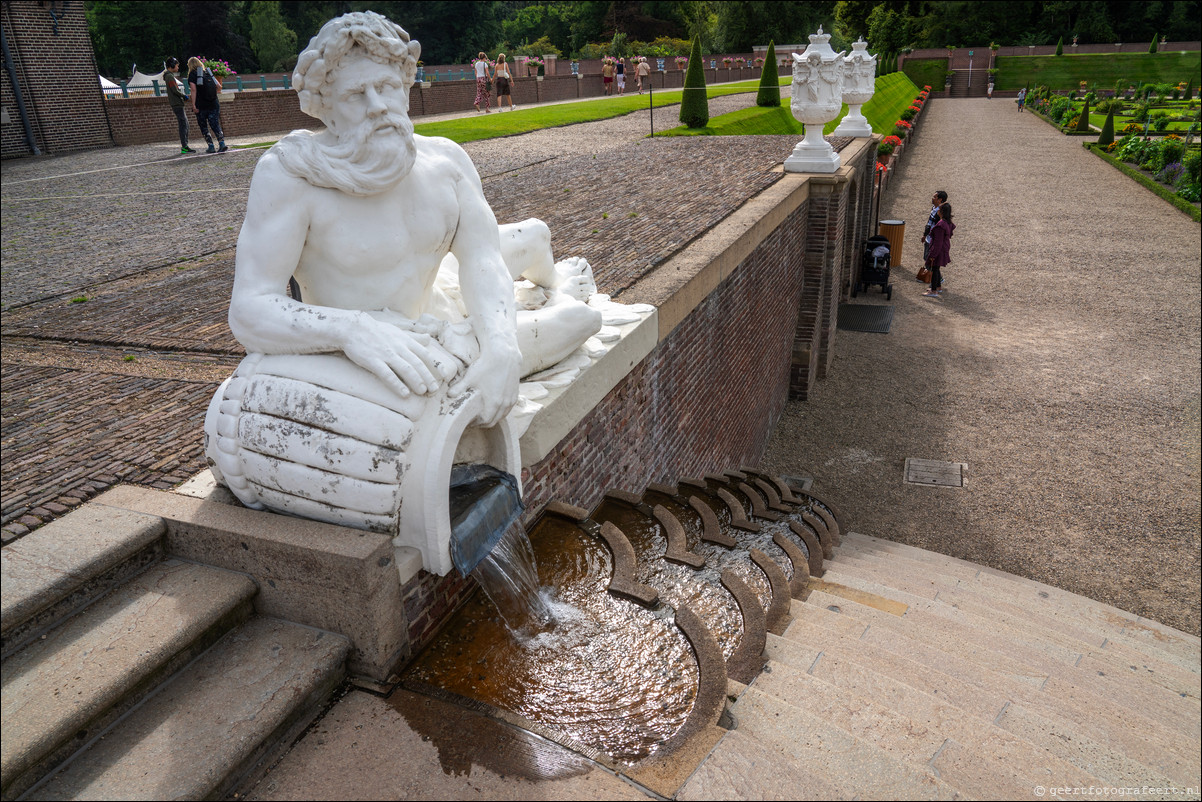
{"x":746,"y":320}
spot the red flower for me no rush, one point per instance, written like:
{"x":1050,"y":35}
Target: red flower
{"x":903,"y":124}
{"x":892,"y":140}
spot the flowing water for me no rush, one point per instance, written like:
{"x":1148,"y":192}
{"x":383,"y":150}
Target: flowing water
{"x":508,"y":575}
{"x":609,"y":674}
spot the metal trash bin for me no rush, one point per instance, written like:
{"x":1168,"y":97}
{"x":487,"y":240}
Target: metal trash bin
{"x":894,"y":231}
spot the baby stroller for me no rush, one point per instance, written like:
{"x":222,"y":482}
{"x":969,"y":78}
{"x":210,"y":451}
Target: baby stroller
{"x":874,"y":267}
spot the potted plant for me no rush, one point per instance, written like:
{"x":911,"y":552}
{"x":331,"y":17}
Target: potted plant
{"x":681,"y":62}
{"x":759,"y":61}
{"x":534,"y":66}
{"x":726,"y":60}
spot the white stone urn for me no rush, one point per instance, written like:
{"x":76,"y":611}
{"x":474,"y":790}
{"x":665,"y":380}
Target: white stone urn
{"x":817,"y":98}
{"x":859,"y":85}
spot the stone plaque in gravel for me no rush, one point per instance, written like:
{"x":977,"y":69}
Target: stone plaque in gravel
{"x":935,"y":472}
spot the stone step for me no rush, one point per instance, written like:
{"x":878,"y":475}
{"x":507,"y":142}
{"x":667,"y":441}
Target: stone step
{"x":985,"y":693}
{"x":77,"y":679}
{"x":933,"y":711}
{"x":1112,"y":656}
{"x":740,"y":767}
{"x":1002,"y":632}
{"x":1022,"y":638}
{"x":1120,"y":628}
{"x":1137,"y":629}
{"x":50,"y":574}
{"x":854,"y":767}
{"x":233,"y":709}
{"x":993,"y":762}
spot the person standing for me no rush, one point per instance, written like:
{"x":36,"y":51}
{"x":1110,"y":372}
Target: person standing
{"x":642,"y":71}
{"x":940,"y":255}
{"x":503,"y":79}
{"x":1022,"y":98}
{"x":481,"y":66}
{"x":205,"y":91}
{"x":939,"y":198}
{"x":178,"y":100}
{"x":607,"y":74}
{"x":989,"y":90}
{"x":620,"y":69}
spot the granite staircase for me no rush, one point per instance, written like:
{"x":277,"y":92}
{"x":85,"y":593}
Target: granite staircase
{"x":906,"y":674}
{"x":129,"y":673}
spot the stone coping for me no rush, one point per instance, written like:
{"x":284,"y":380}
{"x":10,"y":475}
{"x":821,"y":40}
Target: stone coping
{"x":676,"y":288}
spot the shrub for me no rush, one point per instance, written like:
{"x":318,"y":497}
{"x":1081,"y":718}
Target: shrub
{"x":1058,"y":108}
{"x":694,"y":106}
{"x":907,"y":114}
{"x":1131,"y":128}
{"x":1139,"y":112}
{"x":769,"y":92}
{"x":1192,"y":162}
{"x":1160,"y":122}
{"x":1083,"y":119}
{"x":1060,"y":46}
{"x":900,"y":132}
{"x":1169,"y":152}
{"x":885,"y":148}
{"x":1091,"y":97}
{"x":1107,"y":106}
{"x":1107,"y":135}
{"x":1152,"y":47}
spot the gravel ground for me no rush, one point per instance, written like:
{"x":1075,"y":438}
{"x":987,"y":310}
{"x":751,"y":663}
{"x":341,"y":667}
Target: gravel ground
{"x":1062,"y":367}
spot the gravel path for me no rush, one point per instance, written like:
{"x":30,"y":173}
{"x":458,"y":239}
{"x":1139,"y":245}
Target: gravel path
{"x":1062,"y":367}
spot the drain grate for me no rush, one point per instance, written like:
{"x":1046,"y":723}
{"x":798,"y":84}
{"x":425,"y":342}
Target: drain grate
{"x":935,"y":472}
{"x":874,"y":318}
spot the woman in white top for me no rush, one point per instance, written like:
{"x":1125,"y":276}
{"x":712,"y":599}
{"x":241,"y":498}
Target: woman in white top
{"x":481,"y":66}
{"x":503,"y":78}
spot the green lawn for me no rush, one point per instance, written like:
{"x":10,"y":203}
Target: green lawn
{"x":489,"y":126}
{"x":1104,"y":69}
{"x":930,"y":72}
{"x":894,"y":93}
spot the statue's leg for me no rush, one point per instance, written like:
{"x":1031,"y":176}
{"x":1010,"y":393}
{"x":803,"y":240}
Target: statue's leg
{"x":526,"y":249}
{"x":547,"y":335}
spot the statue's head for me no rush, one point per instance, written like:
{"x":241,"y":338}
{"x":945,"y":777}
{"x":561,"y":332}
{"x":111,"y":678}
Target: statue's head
{"x":367,"y":32}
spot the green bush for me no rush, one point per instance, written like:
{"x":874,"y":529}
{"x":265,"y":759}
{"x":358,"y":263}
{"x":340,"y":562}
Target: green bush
{"x":884,"y":148}
{"x":907,"y":114}
{"x":1083,"y":119}
{"x":900,"y":132}
{"x":1152,"y":47}
{"x":1160,"y":122}
{"x":1107,"y":135}
{"x":769,"y":92}
{"x":1060,"y":46}
{"x":1059,"y":108}
{"x":1139,"y":112}
{"x":1192,"y":162}
{"x":1108,"y":106}
{"x":694,"y":106}
{"x":1170,"y":150}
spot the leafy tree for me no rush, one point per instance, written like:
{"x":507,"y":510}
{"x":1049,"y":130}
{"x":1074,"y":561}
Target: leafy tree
{"x":209,"y":34}
{"x":694,"y":105}
{"x":742,"y":25}
{"x":769,"y":92}
{"x":124,"y":34}
{"x":272,"y":40}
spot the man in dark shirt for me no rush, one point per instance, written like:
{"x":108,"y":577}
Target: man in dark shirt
{"x":205,"y":90}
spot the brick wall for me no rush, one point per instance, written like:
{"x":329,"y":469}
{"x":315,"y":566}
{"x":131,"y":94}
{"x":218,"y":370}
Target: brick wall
{"x":56,"y":72}
{"x":141,"y":120}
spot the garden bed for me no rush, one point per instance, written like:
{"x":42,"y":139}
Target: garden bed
{"x":1152,"y":168}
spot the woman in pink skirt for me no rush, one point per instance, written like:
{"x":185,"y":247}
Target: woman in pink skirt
{"x":481,"y":66}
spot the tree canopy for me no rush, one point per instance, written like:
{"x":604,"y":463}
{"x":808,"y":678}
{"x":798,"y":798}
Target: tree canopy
{"x":253,"y":35}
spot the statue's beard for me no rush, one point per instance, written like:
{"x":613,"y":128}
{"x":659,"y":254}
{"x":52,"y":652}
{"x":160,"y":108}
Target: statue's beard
{"x":372,"y":158}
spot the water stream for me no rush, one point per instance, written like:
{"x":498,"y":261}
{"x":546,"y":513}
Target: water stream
{"x":508,"y":575}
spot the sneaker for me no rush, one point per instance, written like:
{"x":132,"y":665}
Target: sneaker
{"x":185,"y":150}
{"x":929,"y":294}
{"x":210,"y":148}
{"x":224,"y":147}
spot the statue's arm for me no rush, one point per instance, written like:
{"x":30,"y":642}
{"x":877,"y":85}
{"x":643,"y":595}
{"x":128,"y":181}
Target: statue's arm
{"x":487,"y":291}
{"x":265,"y":320}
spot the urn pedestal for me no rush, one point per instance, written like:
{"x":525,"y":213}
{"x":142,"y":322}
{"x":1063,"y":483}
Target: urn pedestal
{"x":859,"y":85}
{"x":817,"y":98}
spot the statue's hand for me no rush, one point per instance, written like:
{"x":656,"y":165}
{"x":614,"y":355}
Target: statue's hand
{"x":401,"y":359}
{"x":495,"y":377}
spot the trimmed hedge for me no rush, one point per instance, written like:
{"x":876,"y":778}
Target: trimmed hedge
{"x":694,"y":105}
{"x":769,"y":93}
{"x":1155,"y":186}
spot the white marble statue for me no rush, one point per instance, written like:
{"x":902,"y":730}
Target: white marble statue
{"x":817,"y":98}
{"x":404,"y":351}
{"x":859,"y":85}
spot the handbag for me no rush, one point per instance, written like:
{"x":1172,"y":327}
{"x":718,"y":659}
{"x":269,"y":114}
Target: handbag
{"x":924,"y":274}
{"x":488,"y":86}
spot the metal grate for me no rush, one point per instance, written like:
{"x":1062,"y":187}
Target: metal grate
{"x":936,"y":472}
{"x":874,"y":318}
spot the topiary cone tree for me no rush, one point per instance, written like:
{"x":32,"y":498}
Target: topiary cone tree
{"x":1083,"y":120}
{"x":769,"y":94}
{"x":1152,"y":47}
{"x":1060,"y":46}
{"x":1107,"y":136}
{"x":694,"y":106}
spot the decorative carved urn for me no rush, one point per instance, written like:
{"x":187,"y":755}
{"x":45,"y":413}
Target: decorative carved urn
{"x":859,"y":85}
{"x":817,"y":98}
